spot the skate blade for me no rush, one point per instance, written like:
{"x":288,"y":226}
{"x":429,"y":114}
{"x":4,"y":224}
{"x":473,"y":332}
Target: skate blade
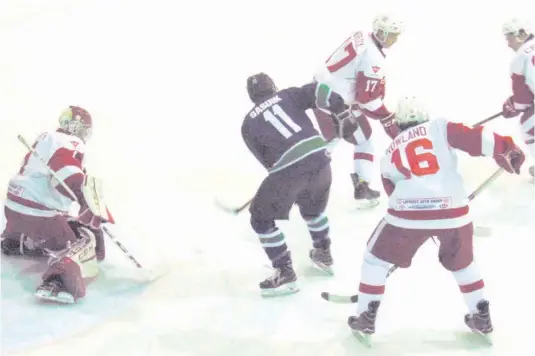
{"x":62,"y":298}
{"x":289,"y":288}
{"x":363,"y":338}
{"x":486,"y":338}
{"x":365,"y":204}
{"x":323,"y":268}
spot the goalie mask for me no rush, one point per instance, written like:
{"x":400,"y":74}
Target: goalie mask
{"x":76,"y":121}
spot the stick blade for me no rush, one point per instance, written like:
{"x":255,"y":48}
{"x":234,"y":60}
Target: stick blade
{"x":340,"y":299}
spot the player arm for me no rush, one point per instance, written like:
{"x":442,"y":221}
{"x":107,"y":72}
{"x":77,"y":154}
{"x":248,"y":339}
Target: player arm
{"x":318,"y":95}
{"x":522,"y":69}
{"x":477,"y":141}
{"x":67,"y":165}
{"x":388,"y":185}
{"x":251,"y":142}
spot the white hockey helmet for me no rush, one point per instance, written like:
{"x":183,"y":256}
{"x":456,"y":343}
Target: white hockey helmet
{"x":387,"y":24}
{"x":516,"y":26}
{"x":411,"y":110}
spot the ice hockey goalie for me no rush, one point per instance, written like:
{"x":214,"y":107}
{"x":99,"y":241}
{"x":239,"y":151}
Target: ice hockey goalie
{"x":37,"y":207}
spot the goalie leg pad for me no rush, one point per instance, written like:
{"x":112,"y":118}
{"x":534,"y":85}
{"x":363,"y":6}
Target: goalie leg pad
{"x":74,"y":264}
{"x":94,"y":197}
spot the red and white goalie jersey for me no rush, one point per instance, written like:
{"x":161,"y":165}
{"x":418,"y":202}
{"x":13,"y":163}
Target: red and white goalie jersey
{"x":420,"y":173}
{"x":33,"y":191}
{"x":355,"y":71}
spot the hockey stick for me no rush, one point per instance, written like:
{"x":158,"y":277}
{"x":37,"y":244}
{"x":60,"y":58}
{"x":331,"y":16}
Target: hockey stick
{"x":347,"y":299}
{"x":73,"y":196}
{"x":235,"y":210}
{"x":488,"y":119}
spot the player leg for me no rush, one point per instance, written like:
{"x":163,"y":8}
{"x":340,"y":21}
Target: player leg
{"x":456,"y":255}
{"x":273,"y":201}
{"x":71,"y":257}
{"x":527,"y":122}
{"x":363,"y":165}
{"x":312,"y":202}
{"x":388,"y":246}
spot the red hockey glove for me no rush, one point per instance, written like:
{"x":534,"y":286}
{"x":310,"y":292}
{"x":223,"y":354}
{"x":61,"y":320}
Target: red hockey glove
{"x":508,"y":109}
{"x":512,"y":158}
{"x":390,"y":127}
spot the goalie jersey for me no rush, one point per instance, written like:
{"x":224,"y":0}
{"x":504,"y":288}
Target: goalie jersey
{"x":33,"y":191}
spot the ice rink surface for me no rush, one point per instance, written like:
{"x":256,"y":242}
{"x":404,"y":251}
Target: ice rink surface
{"x":166,"y":86}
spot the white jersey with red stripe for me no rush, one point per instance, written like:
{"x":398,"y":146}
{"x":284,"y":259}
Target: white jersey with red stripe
{"x":420,"y":173}
{"x":356,"y":72}
{"x":523,"y":75}
{"x":33,"y":191}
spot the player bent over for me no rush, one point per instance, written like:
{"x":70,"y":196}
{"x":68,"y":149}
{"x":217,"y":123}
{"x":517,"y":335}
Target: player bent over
{"x":37,"y":207}
{"x":521,"y":39}
{"x":427,"y":198}
{"x":281,"y":136}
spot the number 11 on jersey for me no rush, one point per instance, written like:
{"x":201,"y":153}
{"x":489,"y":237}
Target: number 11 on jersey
{"x":276,"y":116}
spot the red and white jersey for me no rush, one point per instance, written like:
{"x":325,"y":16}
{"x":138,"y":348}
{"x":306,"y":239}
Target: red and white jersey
{"x":523,"y":75}
{"x":420,"y":173}
{"x":355,"y":71}
{"x":33,"y":191}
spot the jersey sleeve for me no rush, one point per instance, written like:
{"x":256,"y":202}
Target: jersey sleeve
{"x":67,"y":164}
{"x":371,"y":90}
{"x":477,"y":141}
{"x":317,"y":95}
{"x":522,"y":69}
{"x":251,"y":142}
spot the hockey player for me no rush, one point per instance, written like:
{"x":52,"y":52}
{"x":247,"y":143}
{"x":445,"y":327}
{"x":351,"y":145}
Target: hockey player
{"x":356,"y":71}
{"x":427,"y":198}
{"x":37,"y":208}
{"x":520,"y":38}
{"x":281,"y":136}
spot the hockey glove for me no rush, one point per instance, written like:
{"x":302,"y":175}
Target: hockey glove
{"x":508,"y":109}
{"x":512,"y":159}
{"x":389,"y":125}
{"x":348,"y":123}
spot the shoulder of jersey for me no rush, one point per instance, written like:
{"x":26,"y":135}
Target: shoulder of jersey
{"x":69,"y":141}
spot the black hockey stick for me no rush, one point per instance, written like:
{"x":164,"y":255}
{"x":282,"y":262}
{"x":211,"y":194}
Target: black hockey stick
{"x":233,"y":210}
{"x":347,"y":299}
{"x":488,"y":119}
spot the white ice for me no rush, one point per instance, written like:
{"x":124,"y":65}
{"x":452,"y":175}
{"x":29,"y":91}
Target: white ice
{"x":165,"y":82}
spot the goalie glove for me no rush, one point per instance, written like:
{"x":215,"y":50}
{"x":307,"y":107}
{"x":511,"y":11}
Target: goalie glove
{"x":93,"y":210}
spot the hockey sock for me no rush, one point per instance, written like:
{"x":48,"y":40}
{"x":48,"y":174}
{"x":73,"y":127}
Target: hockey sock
{"x":271,"y":238}
{"x":372,"y":281}
{"x":319,"y":230}
{"x":471,"y":285}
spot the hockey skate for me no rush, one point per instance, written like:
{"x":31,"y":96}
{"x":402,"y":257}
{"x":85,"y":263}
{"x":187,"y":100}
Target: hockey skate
{"x":363,"y":326}
{"x":22,"y":246}
{"x":283,"y":281}
{"x":480,"y":322}
{"x":322,"y":259}
{"x":365,"y":196}
{"x":54,"y":291}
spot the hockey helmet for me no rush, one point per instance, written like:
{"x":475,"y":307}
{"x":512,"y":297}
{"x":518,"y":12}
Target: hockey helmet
{"x":76,"y":121}
{"x":387,"y":24}
{"x":260,"y":86}
{"x":517,"y":27}
{"x":411,"y":111}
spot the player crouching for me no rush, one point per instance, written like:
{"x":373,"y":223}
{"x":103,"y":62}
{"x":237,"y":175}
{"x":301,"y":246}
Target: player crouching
{"x":427,"y":198}
{"x":37,"y":207}
{"x":282,"y":138}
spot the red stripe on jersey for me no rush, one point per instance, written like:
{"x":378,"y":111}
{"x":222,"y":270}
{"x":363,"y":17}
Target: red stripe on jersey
{"x":64,"y":157}
{"x":521,"y":92}
{"x":430,"y":214}
{"x":465,"y":138}
{"x":27,"y":203}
